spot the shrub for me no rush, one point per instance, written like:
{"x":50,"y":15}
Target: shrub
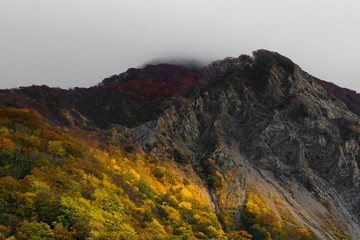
{"x":34,"y":231}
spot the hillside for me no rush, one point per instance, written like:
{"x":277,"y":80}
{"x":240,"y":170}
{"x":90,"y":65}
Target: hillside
{"x":245,"y":148}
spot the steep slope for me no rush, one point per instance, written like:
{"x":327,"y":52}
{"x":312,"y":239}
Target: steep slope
{"x":270,"y":126}
{"x":273,"y":150}
{"x":130,"y":99}
{"x":349,"y":97}
{"x":56,"y":183}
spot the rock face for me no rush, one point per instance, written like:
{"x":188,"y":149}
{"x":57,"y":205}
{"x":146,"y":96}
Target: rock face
{"x":250,"y":121}
{"x":267,"y":123}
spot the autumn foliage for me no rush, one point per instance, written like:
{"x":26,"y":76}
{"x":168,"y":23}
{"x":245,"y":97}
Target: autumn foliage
{"x":53,"y":186}
{"x":262,"y":223}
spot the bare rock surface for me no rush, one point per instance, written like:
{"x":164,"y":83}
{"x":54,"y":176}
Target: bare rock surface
{"x":234,"y":125}
{"x":275,"y":128}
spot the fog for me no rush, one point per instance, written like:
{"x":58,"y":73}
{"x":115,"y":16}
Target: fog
{"x":63,"y":43}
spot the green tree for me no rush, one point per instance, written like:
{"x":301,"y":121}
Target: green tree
{"x":46,"y":205}
{"x":56,"y":148}
{"x":61,"y":233}
{"x":259,"y":233}
{"x":34,"y":231}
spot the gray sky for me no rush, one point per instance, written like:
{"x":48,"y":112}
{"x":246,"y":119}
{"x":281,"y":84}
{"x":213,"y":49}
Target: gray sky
{"x":68,"y":43}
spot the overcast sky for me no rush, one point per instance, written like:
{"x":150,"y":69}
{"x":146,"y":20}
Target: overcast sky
{"x":68,"y":43}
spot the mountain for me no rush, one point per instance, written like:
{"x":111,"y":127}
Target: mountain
{"x":245,"y":148}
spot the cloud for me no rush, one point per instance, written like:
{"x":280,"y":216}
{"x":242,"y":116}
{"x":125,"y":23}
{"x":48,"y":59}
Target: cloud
{"x":78,"y":43}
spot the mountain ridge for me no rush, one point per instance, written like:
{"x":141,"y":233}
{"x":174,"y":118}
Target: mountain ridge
{"x":247,"y":131}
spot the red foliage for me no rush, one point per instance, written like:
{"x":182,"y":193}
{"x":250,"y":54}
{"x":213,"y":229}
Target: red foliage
{"x":245,"y":58}
{"x":29,"y":117}
{"x":349,"y":97}
{"x":51,"y":135}
{"x":158,"y":82}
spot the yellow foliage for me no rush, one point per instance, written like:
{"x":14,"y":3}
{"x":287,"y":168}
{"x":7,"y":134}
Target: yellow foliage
{"x":239,"y":235}
{"x":256,"y":204}
{"x":174,"y":214}
{"x":186,"y":194}
{"x":61,"y":233}
{"x":149,"y":203}
{"x":98,"y":195}
{"x":4,"y":131}
{"x":303,"y":233}
{"x":169,"y":229}
{"x":139,"y":157}
{"x":155,"y":225}
{"x":6,"y":143}
{"x":277,"y":225}
{"x":93,"y":234}
{"x":212,"y":232}
{"x":38,"y":186}
{"x":201,"y":235}
{"x":96,"y":192}
{"x":172,"y":198}
{"x":185,"y":205}
{"x":197,"y":217}
{"x":56,"y":148}
{"x":133,"y":175}
{"x":96,"y":224}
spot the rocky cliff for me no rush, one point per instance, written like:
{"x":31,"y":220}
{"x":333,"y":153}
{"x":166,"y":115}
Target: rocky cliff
{"x":241,"y":125}
{"x":266,"y":123}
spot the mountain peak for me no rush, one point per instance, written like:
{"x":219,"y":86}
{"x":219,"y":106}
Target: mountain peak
{"x":264,"y":147}
{"x":158,"y":73}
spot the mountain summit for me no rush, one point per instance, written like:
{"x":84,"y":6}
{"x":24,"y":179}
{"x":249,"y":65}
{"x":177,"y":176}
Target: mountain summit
{"x":267,"y":151}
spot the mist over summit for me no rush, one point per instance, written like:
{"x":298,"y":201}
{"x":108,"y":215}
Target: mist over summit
{"x":181,"y":61}
{"x":248,"y":147}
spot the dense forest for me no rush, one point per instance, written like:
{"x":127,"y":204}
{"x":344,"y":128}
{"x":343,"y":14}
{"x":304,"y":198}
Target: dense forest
{"x":245,"y":148}
{"x":57,"y":183}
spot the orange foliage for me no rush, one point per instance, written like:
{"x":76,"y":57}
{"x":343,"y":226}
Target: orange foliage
{"x":30,"y":118}
{"x":47,"y":134}
{"x":6,"y":144}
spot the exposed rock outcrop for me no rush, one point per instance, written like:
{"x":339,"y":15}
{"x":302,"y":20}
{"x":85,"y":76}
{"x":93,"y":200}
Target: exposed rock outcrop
{"x":237,"y":124}
{"x":270,"y":125}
